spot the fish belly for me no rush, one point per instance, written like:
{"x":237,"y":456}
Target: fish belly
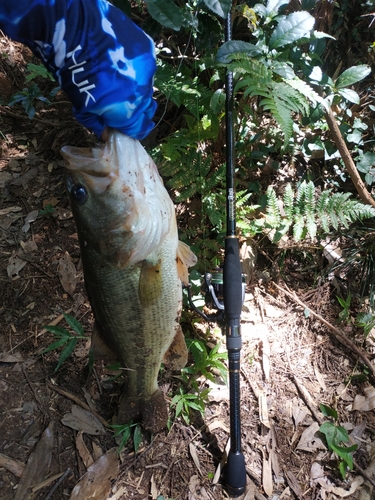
{"x":137,"y":311}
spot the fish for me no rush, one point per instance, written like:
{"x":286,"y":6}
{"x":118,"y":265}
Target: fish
{"x":134,"y":266}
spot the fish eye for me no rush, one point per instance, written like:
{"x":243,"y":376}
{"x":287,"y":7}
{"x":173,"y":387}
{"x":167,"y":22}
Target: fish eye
{"x":78,"y":193}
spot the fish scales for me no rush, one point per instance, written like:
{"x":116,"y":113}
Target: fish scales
{"x":133,"y":267}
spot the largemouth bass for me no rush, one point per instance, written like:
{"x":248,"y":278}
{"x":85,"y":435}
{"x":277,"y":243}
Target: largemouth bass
{"x":133,"y":267}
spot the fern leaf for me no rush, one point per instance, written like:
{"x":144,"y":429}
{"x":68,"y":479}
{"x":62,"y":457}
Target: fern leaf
{"x":298,"y":228}
{"x":273,"y":215}
{"x":281,"y":114}
{"x":305,"y":89}
{"x":288,"y":200}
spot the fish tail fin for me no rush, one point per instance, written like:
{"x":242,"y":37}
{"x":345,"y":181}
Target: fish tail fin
{"x":185,"y":258}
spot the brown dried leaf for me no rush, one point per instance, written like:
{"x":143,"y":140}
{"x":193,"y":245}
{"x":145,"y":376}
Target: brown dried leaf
{"x":267,"y":476}
{"x":367,"y":402}
{"x":310,"y":441}
{"x":83,"y":451}
{"x":96,"y":483}
{"x":83,"y":420}
{"x":67,"y":274}
{"x":194,"y":456}
{"x":37,"y":466}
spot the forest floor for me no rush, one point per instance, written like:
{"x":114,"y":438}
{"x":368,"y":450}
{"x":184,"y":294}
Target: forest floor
{"x":54,"y":425}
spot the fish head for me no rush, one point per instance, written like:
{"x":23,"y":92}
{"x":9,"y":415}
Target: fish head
{"x":118,"y":199}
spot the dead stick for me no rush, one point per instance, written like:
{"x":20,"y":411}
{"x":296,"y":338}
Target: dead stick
{"x":12,"y":465}
{"x":341,"y":337}
{"x":347,"y":159}
{"x":79,"y":402}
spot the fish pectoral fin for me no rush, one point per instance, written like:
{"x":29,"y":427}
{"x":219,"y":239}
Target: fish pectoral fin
{"x":185,"y":258}
{"x":150,"y":282}
{"x":177,"y":355}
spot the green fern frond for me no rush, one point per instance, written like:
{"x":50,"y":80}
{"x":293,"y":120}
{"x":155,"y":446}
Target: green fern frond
{"x":305,"y":89}
{"x":281,"y":113}
{"x":288,"y":200}
{"x":293,"y":99}
{"x":273,"y":215}
{"x":306,"y":213}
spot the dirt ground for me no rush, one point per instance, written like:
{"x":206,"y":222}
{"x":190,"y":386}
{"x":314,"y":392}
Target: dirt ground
{"x":56,"y":423}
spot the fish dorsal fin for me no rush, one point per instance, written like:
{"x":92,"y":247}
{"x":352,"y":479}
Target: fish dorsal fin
{"x":185,"y":258}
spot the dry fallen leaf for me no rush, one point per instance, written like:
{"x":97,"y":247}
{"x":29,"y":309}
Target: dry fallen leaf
{"x":83,"y":451}
{"x":67,"y":274}
{"x":367,"y":402}
{"x":194,"y":456}
{"x":37,"y":466}
{"x":96,"y":483}
{"x":15,"y":265}
{"x":83,"y":420}
{"x":267,"y":476}
{"x":310,"y":441}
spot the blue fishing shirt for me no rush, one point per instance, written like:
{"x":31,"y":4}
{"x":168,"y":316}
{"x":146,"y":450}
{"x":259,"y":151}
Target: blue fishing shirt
{"x":101,"y":59}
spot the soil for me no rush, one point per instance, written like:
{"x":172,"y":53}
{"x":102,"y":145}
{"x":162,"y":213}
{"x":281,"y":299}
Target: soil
{"x":291,"y":361}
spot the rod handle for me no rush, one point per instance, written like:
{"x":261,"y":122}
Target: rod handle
{"x":235,"y":474}
{"x":232,"y":280}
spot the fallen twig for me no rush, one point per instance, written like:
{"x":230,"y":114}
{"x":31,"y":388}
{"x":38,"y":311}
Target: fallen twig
{"x":341,"y":337}
{"x":58,"y":482}
{"x":347,"y":159}
{"x":14,"y":466}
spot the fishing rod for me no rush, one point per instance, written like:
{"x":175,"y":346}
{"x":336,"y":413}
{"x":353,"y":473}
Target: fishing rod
{"x":225,"y":292}
{"x":233,"y":291}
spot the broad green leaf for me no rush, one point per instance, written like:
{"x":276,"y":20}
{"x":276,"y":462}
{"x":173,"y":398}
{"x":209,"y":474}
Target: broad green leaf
{"x":137,"y":438}
{"x":66,"y":352}
{"x":334,"y":434}
{"x":283,"y":69}
{"x":352,"y":75}
{"x":57,"y":330}
{"x":346,"y":453}
{"x":74,"y":324}
{"x":350,"y":95}
{"x":327,"y":410}
{"x":179,"y":407}
{"x":220,"y":7}
{"x":320,"y":34}
{"x":292,"y":28}
{"x":166,"y":13}
{"x":273,"y":6}
{"x":366,"y":162}
{"x":55,"y":345}
{"x":228,"y":49}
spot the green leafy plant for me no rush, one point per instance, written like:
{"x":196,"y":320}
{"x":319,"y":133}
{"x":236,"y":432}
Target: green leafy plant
{"x":365,"y":320}
{"x":185,"y":401}
{"x":344,"y":315}
{"x":204,"y":361}
{"x":37,"y":70}
{"x":306,"y":212}
{"x":191,"y":397}
{"x":66,"y":339}
{"x":28,"y":96}
{"x":335,"y":436}
{"x":125,"y":432}
{"x":47,"y":211}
